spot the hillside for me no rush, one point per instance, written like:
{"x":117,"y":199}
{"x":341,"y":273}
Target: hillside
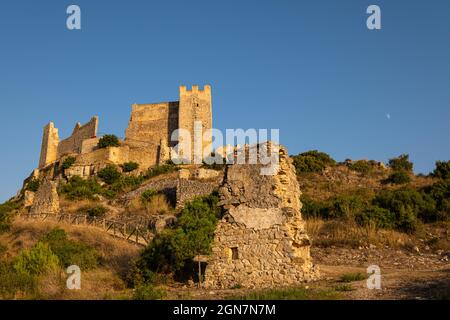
{"x":357,"y":213}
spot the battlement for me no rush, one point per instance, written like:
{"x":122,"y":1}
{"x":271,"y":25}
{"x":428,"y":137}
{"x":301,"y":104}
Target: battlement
{"x":195,"y":90}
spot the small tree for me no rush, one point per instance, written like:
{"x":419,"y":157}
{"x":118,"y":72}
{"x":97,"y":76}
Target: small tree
{"x":129,"y":166}
{"x":401,"y":163}
{"x":442,"y":170}
{"x":108,"y":140}
{"x":109,"y":174}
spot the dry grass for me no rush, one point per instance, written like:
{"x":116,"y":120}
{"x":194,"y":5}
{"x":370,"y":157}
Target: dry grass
{"x":114,"y":253}
{"x":104,"y":282}
{"x":348,"y":233}
{"x":157,"y":205}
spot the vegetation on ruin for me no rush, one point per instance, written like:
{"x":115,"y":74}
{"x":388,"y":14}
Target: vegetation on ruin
{"x":32,"y":185}
{"x":108,"y":140}
{"x":68,"y":162}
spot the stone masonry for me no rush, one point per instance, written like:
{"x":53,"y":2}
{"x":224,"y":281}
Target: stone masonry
{"x":148,"y":137}
{"x":261,"y":240}
{"x":46,"y":199}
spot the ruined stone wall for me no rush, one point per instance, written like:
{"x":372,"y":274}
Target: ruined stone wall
{"x":49,"y":146}
{"x":46,"y":199}
{"x":196,"y":105}
{"x":73,"y":144}
{"x":189,"y":189}
{"x":151,"y":123}
{"x":261,"y":241}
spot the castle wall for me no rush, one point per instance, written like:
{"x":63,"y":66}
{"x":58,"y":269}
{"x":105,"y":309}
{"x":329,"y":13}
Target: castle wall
{"x":151,"y":123}
{"x":196,"y":105}
{"x":73,"y":144}
{"x":49,"y":147}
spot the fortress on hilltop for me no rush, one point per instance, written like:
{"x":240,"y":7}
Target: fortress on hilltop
{"x":148,"y":137}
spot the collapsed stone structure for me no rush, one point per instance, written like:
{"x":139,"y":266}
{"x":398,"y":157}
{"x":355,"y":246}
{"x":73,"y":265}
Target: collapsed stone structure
{"x":261,"y":241}
{"x":148,"y":137}
{"x":46,"y":199}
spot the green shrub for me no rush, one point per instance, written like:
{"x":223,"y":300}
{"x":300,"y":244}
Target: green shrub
{"x":126,"y":183}
{"x":13,"y":282}
{"x":147,"y":292}
{"x":379,"y":217}
{"x":109,"y":174}
{"x":398,"y":177}
{"x":6,"y":215}
{"x":129,"y":166}
{"x":361,"y":166}
{"x":440,"y":193}
{"x":108,"y":140}
{"x":79,"y":189}
{"x":401,"y":163}
{"x":346,"y":206}
{"x":33,"y":185}
{"x":312,"y":161}
{"x":171,"y":249}
{"x":158,"y":170}
{"x":96,"y":211}
{"x":442,"y":170}
{"x":312,"y":209}
{"x":36,"y":261}
{"x":68,"y":162}
{"x":406,"y":204}
{"x":339,"y":207}
{"x":70,"y":252}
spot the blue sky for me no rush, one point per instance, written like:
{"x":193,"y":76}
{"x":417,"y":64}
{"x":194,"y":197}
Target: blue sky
{"x":310,"y":68}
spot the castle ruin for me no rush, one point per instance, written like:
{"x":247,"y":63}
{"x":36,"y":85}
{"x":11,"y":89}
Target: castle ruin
{"x":148,"y":137}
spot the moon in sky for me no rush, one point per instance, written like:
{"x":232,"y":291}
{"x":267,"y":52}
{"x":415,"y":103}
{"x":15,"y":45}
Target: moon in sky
{"x":388,"y":116}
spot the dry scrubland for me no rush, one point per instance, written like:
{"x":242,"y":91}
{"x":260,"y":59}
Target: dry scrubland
{"x":357,"y":214}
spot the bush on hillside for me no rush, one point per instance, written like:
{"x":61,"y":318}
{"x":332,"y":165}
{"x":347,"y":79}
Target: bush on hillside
{"x":442,"y":170}
{"x":129,"y":166}
{"x":70,"y":252}
{"x":158,"y":170}
{"x":109,"y":174}
{"x":398,"y":177}
{"x":401,"y":163}
{"x":36,"y":261}
{"x":171,"y":249}
{"x":406,"y":204}
{"x":6,"y":216}
{"x":78,"y":189}
{"x":312,"y":161}
{"x":361,"y":166}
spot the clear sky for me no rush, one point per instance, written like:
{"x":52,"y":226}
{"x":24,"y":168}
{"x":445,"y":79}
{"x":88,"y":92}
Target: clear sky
{"x":310,"y":68}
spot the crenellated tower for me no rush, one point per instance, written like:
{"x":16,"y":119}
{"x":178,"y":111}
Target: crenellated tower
{"x":196,"y":106}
